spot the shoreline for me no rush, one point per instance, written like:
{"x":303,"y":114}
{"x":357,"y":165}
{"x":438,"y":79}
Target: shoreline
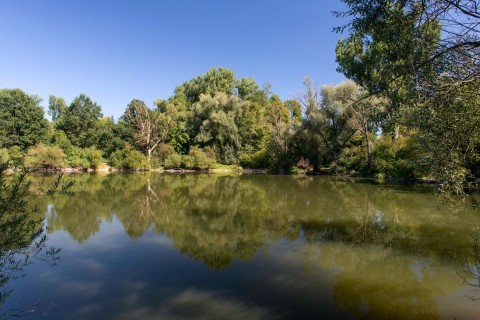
{"x":106,"y":170}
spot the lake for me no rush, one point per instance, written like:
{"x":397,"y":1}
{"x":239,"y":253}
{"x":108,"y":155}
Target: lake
{"x":207,"y":246}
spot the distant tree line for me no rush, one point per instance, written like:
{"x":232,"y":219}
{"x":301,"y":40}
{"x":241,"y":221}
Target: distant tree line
{"x":217,"y":119}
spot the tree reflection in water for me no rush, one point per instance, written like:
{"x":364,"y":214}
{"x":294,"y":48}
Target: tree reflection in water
{"x":393,"y":252}
{"x":470,"y":268}
{"x":22,"y":237}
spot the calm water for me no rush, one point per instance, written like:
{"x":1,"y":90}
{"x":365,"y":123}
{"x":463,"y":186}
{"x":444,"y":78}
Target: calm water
{"x":250,"y":247}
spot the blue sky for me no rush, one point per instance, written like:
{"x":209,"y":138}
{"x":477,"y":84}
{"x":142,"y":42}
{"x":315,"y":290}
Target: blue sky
{"x":115,"y":51}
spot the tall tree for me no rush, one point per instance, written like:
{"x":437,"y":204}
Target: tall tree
{"x":176,"y":107}
{"x":56,"y":107}
{"x":327,"y":113}
{"x":215,"y":80}
{"x":215,"y":123}
{"x":387,"y":51}
{"x":81,"y":121}
{"x":313,"y":123}
{"x":22,"y":121}
{"x":282,"y":125}
{"x":425,"y":55}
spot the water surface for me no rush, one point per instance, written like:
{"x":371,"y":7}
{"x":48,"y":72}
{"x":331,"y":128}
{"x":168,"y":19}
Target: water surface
{"x":151,"y":246}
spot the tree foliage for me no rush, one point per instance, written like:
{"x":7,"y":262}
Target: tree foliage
{"x":80,"y":121}
{"x":22,"y":121}
{"x":424,"y":55}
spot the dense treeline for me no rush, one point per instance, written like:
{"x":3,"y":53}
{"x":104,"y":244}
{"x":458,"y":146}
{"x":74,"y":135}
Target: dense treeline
{"x":217,"y":119}
{"x":410,"y":109}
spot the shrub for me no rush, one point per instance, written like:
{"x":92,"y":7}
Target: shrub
{"x":352,"y":160}
{"x":46,"y":157}
{"x":188,"y":162}
{"x":116,"y":159}
{"x":257,"y":160}
{"x":134,"y":159}
{"x":94,"y":157}
{"x":397,"y":158}
{"x":210,"y":153}
{"x":162,"y":152}
{"x":77,"y":158}
{"x":174,"y":160}
{"x":4,"y":157}
{"x":202,"y":160}
{"x":128,"y":158}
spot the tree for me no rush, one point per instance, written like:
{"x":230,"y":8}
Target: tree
{"x":149,"y":127}
{"x":109,"y":136}
{"x":215,"y":123}
{"x":215,"y":80}
{"x":424,"y":55}
{"x":247,"y":88}
{"x":176,"y":107}
{"x":80,"y":121}
{"x":56,"y":107}
{"x":22,"y":121}
{"x":361,"y":112}
{"x":313,"y":123}
{"x":386,"y":50}
{"x":327,"y":119}
{"x":282,"y":126}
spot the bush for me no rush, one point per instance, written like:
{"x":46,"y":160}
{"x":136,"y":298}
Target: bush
{"x":77,"y":158}
{"x":116,"y":159}
{"x":202,"y":159}
{"x":60,"y":139}
{"x":174,"y":160}
{"x":397,"y":158}
{"x":94,"y":157}
{"x":128,"y":158}
{"x":134,"y":159}
{"x":210,"y":153}
{"x":257,"y":160}
{"x":46,"y":157}
{"x":4,"y":157}
{"x":352,"y":160}
{"x":162,"y":153}
{"x":188,"y":161}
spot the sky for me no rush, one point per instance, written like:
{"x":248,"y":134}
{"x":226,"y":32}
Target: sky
{"x":115,"y":51}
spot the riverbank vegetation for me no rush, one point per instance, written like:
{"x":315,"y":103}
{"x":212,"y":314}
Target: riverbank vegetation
{"x":410,"y":110}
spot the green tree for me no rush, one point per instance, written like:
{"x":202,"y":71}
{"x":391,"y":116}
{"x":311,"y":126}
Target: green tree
{"x":282,"y":126}
{"x":327,"y":118}
{"x":22,"y":121}
{"x":424,"y":56}
{"x":56,"y":107}
{"x":215,"y":80}
{"x":215,"y":123}
{"x":109,"y":136}
{"x":176,"y":108}
{"x":81,"y":121}
{"x":248,"y":89}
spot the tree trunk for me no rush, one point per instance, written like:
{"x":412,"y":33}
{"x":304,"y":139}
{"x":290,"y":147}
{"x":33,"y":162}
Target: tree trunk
{"x":369,"y":152}
{"x":397,"y":132}
{"x":149,"y":155}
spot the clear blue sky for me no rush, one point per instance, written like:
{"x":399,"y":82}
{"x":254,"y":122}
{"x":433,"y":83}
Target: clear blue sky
{"x":115,"y":51}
